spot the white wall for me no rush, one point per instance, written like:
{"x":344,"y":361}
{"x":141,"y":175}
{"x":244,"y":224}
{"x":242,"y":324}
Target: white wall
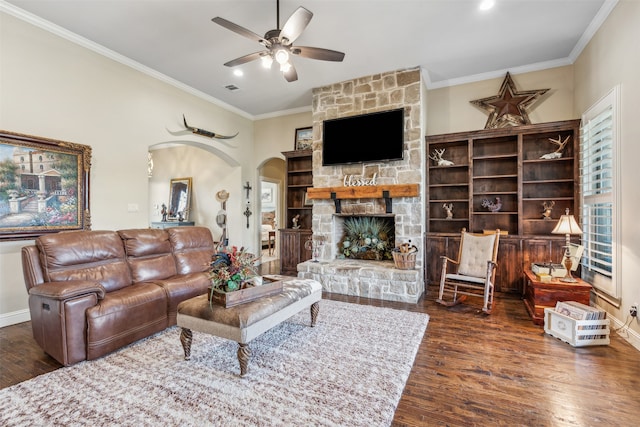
{"x":51,"y":87}
{"x":611,"y":58}
{"x":450,"y":110}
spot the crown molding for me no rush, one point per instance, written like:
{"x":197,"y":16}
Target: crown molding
{"x":586,"y":37}
{"x":592,"y":28}
{"x":108,"y":53}
{"x":495,"y":74}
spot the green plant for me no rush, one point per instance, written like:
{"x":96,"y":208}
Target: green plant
{"x":367,"y":238}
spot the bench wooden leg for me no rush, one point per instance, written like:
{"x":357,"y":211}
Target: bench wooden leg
{"x":315,"y":308}
{"x":186,"y":336}
{"x":244,"y":353}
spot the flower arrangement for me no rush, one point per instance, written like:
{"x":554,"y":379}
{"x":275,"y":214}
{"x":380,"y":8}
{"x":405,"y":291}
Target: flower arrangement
{"x":229,"y":270}
{"x":367,"y":238}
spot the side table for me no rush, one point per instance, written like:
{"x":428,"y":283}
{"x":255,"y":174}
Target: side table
{"x":538,"y":295}
{"x":169,"y":224}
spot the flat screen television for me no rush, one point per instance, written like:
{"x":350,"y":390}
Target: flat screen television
{"x":373,"y":137}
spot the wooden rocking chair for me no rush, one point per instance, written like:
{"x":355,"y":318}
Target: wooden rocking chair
{"x":473,"y":273}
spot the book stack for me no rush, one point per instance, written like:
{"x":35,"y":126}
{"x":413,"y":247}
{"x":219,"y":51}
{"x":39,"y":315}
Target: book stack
{"x":577,"y":324}
{"x":553,"y":270}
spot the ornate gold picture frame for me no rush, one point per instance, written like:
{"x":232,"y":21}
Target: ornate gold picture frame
{"x":44,"y":186}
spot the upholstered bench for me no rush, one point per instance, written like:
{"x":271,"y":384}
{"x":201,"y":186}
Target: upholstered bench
{"x":245,"y":322}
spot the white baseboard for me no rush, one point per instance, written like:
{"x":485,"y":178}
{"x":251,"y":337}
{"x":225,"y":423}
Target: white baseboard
{"x":626,"y":334}
{"x":14,"y":318}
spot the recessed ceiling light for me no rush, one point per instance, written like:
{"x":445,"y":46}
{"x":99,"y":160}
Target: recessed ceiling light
{"x":487,"y":4}
{"x":238,"y":72}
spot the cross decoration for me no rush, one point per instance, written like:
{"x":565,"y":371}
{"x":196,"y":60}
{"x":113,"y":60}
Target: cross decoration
{"x":247,"y":187}
{"x":247,"y":212}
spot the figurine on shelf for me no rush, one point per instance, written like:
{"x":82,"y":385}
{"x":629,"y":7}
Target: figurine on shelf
{"x":548,"y":206}
{"x":164,"y":213}
{"x":493,"y":207}
{"x":448,"y":207}
{"x":558,"y":153}
{"x":295,"y":220}
{"x":436,"y":156}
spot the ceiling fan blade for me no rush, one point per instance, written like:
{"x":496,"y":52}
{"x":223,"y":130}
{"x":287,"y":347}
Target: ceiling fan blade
{"x":318,"y":53}
{"x":239,"y":30}
{"x":244,"y":59}
{"x":291,"y":75}
{"x":295,"y":25}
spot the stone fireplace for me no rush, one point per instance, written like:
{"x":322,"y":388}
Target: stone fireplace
{"x":376,"y":279}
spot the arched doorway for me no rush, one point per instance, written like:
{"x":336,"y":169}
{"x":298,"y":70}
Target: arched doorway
{"x":271,"y":196}
{"x":210,"y":171}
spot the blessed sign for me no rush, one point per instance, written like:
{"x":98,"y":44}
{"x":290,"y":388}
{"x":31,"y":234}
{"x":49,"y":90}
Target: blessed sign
{"x":351,"y":181}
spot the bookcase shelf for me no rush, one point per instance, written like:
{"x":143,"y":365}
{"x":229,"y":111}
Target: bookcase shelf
{"x":503,"y":163}
{"x":299,"y":178}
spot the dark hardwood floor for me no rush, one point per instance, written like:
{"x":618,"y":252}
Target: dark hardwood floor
{"x":471,"y":369}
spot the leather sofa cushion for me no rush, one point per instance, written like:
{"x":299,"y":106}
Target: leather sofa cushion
{"x":148,"y":254}
{"x":182,"y":288}
{"x":125,"y":316}
{"x":84,"y":255}
{"x":192,"y":248}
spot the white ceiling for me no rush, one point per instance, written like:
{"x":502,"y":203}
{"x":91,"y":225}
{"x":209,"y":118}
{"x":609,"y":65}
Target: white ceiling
{"x":451,"y":40}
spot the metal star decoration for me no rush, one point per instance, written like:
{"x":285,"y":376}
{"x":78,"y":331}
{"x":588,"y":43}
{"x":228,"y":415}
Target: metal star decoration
{"x":509,"y":107}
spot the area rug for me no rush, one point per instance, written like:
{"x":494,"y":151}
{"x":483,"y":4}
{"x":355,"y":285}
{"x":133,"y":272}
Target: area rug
{"x":349,"y":370}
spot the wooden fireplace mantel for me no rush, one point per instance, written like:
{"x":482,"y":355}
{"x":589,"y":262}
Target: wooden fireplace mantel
{"x":386,"y":192}
{"x":364,"y":192}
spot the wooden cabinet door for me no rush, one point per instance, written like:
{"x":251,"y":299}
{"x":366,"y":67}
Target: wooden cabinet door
{"x":292,"y":250}
{"x":289,"y":252}
{"x":509,"y":270}
{"x":438,"y":246}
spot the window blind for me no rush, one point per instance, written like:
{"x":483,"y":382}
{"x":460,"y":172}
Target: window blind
{"x":598,"y":185}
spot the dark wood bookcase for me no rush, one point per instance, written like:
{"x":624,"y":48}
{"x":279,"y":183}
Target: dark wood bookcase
{"x":504,"y":164}
{"x":299,"y":177}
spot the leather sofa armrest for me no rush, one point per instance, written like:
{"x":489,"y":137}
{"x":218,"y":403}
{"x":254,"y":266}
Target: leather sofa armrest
{"x":68,"y":289}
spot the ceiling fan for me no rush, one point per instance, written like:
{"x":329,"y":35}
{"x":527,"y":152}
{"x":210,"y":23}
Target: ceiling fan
{"x":279,"y":43}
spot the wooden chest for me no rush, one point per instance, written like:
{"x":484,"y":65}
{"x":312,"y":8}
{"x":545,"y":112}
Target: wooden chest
{"x":538,"y":295}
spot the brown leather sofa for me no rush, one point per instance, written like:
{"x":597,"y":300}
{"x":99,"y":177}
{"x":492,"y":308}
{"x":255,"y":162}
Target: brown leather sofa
{"x":93,"y":292}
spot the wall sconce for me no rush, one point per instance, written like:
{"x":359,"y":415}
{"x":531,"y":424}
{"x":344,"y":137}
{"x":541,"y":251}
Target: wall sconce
{"x":568,"y":226}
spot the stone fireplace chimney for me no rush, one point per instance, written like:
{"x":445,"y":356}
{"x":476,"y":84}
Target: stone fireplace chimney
{"x":380,"y":92}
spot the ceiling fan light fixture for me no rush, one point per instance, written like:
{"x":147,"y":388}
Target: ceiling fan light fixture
{"x":266,"y":60}
{"x":279,"y":43}
{"x":285,"y":67}
{"x":486,"y":4}
{"x":282,"y":56}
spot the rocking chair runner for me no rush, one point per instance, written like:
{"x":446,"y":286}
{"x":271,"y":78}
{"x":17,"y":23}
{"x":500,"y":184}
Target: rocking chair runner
{"x":475,"y":272}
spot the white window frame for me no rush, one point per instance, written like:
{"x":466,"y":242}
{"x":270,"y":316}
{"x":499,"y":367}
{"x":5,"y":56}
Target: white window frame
{"x":609,"y":284}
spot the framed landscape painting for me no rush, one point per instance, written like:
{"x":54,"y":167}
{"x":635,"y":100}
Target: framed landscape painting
{"x":44,"y":186}
{"x":304,"y":138}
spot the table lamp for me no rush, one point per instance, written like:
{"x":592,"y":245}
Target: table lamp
{"x":568,"y":226}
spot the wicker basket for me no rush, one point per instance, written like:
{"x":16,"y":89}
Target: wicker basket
{"x":405,"y":260}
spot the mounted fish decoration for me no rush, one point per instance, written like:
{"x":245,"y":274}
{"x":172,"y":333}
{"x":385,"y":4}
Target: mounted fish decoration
{"x":206,"y":133}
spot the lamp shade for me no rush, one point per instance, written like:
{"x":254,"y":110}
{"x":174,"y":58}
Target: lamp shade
{"x":567,"y":225}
